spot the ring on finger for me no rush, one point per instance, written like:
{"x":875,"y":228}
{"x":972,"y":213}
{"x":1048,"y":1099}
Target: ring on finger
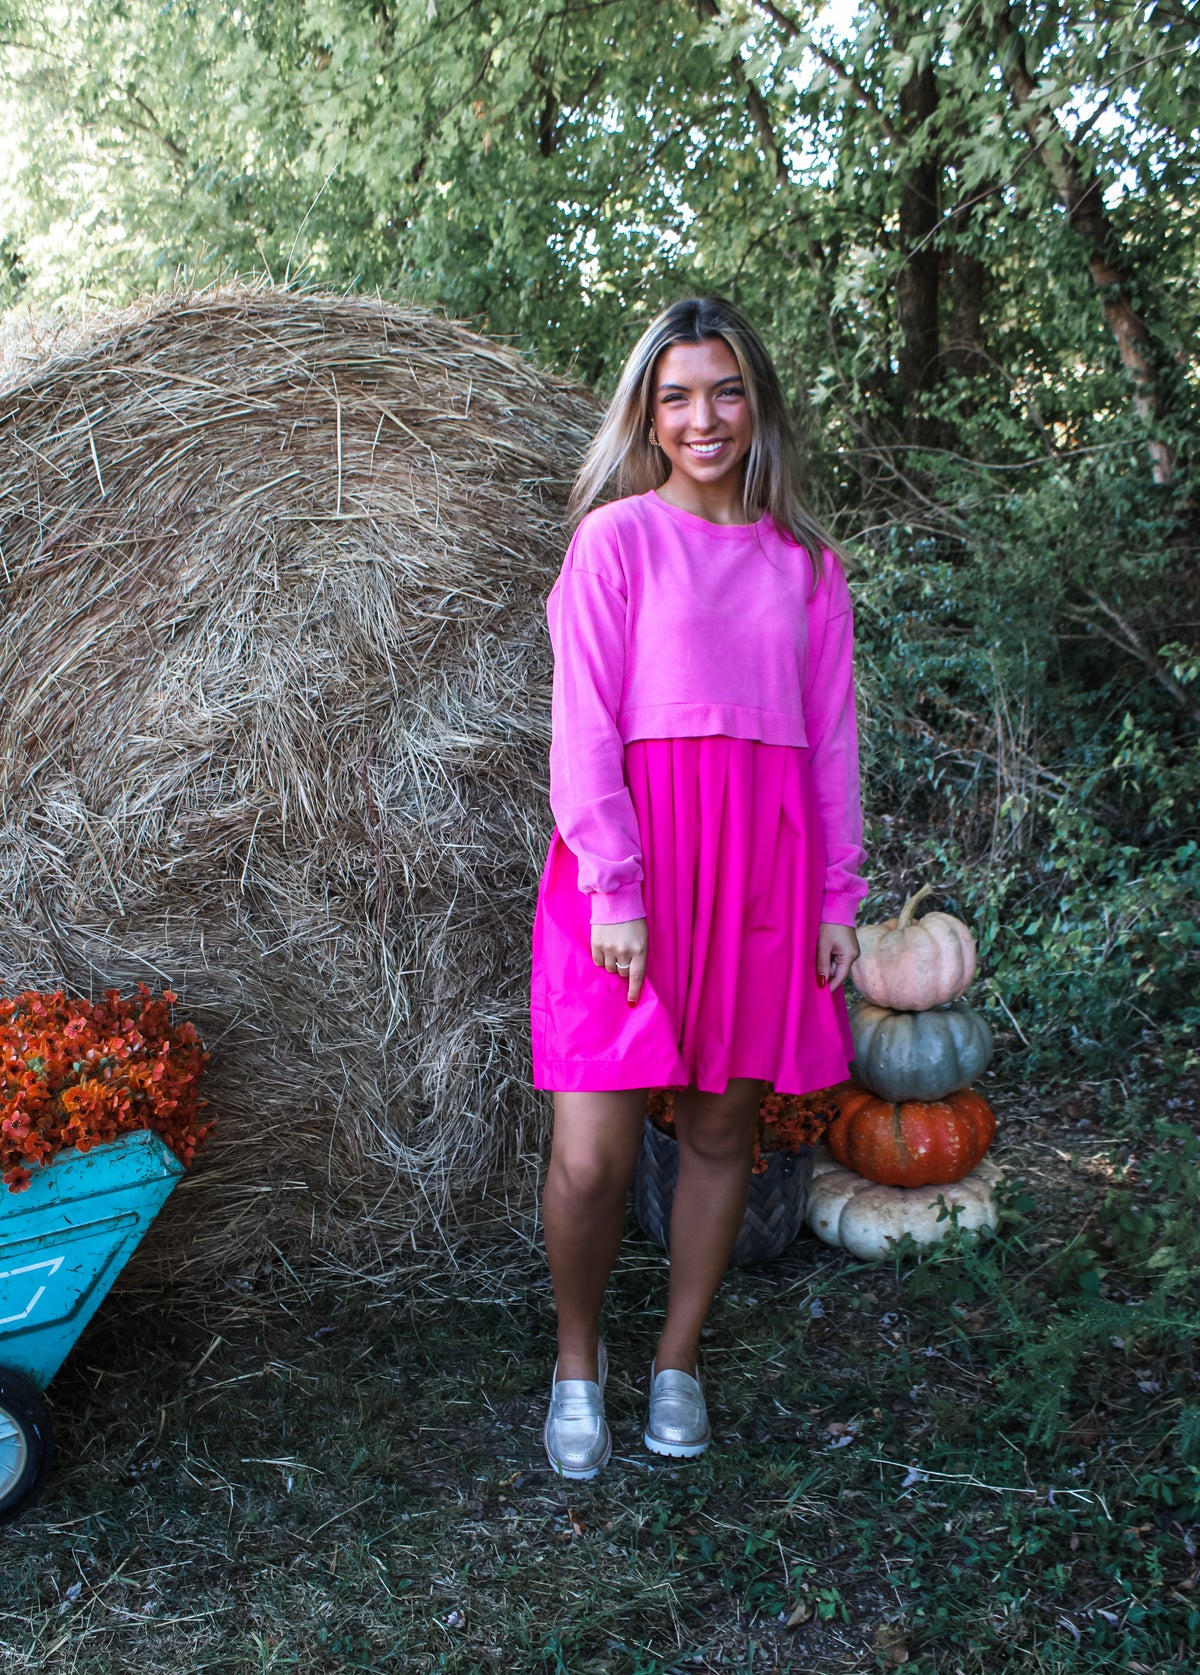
{"x":621,"y":967}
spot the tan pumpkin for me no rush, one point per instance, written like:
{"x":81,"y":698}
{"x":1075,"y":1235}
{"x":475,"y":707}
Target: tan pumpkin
{"x":911,"y":964}
{"x":865,"y":1218}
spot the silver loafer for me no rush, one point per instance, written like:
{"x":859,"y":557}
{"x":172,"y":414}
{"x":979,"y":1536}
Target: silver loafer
{"x":678,"y":1423}
{"x":576,"y":1433}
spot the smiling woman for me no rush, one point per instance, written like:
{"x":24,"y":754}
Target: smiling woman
{"x":695,"y":916}
{"x":703,"y":426}
{"x":692,"y":358}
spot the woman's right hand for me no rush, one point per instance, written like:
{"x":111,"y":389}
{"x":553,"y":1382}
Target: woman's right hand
{"x":621,"y":949}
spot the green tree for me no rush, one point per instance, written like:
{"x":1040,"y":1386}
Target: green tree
{"x":968,"y":231}
{"x":546,"y":167}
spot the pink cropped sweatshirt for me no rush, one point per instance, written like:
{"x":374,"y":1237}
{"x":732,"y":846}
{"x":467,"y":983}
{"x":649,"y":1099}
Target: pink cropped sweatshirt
{"x":664,"y":626}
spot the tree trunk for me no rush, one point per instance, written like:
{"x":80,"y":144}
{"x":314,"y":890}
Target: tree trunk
{"x":917,"y":281}
{"x":1083,"y":201}
{"x":968,"y":284}
{"x":964,"y":338}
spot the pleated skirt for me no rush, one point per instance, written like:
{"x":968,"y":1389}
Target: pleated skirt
{"x":734,"y":867}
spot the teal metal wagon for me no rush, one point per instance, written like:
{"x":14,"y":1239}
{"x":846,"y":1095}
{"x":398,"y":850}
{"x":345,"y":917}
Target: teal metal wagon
{"x":63,"y":1241}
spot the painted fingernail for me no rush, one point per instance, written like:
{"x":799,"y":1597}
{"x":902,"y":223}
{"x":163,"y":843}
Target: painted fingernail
{"x":822,"y":982}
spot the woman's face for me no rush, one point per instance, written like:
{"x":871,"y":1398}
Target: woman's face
{"x":701,"y":412}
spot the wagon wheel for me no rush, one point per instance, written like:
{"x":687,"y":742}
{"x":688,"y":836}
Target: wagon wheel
{"x":26,"y":1442}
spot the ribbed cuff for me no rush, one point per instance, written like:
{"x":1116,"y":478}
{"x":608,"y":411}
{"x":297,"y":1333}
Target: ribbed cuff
{"x":840,"y":909}
{"x":616,"y":907}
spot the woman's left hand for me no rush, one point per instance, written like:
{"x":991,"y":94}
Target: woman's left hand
{"x":837,"y":950}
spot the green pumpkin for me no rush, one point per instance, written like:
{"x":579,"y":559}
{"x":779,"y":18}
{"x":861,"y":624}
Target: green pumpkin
{"x":918,"y":1055}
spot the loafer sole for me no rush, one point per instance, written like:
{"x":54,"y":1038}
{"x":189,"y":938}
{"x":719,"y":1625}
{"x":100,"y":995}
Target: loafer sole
{"x":675,"y":1450}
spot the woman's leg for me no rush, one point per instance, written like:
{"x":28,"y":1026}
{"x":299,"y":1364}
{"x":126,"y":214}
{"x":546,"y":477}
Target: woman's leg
{"x":592,"y":1159}
{"x":715,"y":1132}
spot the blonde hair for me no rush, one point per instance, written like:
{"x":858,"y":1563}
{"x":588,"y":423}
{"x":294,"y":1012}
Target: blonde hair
{"x":621,"y":454}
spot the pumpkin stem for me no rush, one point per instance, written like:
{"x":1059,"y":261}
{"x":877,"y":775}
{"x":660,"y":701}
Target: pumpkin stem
{"x":910,"y":907}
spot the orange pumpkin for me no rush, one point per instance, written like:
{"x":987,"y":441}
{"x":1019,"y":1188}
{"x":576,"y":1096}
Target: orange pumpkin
{"x":921,"y":1142}
{"x":911,"y":965}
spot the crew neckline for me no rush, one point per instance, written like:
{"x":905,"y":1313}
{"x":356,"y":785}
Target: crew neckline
{"x":723,"y":531}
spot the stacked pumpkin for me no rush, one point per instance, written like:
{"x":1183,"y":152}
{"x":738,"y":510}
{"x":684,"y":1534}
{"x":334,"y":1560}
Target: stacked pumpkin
{"x":910,"y":1134}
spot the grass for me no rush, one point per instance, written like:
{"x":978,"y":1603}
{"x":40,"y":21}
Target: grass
{"x":983,"y":1461}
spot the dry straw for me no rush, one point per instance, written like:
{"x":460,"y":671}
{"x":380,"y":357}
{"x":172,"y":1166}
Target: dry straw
{"x":273,"y":731}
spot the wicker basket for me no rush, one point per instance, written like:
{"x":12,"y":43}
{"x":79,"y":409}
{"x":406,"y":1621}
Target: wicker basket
{"x":774,"y":1210}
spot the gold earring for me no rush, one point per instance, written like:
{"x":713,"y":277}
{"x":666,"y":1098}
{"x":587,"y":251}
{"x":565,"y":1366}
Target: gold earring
{"x":654,"y":443}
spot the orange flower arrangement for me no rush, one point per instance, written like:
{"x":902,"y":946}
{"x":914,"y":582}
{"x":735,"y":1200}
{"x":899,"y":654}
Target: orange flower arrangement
{"x":76,"y":1073}
{"x":785,"y":1121}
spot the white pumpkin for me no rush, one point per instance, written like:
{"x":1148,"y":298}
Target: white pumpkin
{"x":864,"y":1218}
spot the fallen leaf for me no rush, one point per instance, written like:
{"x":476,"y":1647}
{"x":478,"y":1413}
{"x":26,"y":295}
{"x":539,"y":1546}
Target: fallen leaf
{"x":802,"y":1614}
{"x":889,"y":1644}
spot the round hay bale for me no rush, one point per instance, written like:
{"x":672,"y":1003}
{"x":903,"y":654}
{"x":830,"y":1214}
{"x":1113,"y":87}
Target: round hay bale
{"x":274,"y":722}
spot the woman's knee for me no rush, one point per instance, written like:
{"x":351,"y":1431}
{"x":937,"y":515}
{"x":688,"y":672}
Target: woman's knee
{"x":716,"y":1140}
{"x":583,"y":1182}
{"x":718,"y":1128}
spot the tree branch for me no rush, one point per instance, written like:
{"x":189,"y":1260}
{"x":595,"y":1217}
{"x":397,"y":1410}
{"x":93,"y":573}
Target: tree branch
{"x":1084,"y":203}
{"x":755,"y":103}
{"x":1126,"y":638}
{"x":794,"y":32}
{"x":126,"y":120}
{"x":761,"y":118}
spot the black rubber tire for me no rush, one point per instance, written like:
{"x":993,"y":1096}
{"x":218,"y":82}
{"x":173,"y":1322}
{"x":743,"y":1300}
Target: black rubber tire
{"x":21,"y":1404}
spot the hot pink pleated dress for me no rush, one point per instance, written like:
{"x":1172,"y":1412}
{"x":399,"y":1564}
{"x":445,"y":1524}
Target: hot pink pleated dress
{"x":734,"y":870}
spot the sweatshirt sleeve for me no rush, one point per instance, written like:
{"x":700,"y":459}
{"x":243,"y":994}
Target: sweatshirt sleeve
{"x":588,"y":794}
{"x":832,"y":732}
